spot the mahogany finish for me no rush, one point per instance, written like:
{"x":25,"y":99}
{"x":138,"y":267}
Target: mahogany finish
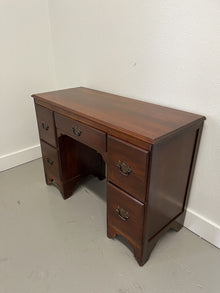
{"x":150,"y":152}
{"x":45,"y":123}
{"x":130,"y":224}
{"x":144,"y":121}
{"x":50,"y":159}
{"x":81,"y":132}
{"x":128,"y":156}
{"x":169,"y":178}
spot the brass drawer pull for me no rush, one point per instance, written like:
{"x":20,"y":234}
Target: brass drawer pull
{"x":122,"y":214}
{"x":45,"y":126}
{"x":76,"y":130}
{"x":49,"y":161}
{"x":124,"y":168}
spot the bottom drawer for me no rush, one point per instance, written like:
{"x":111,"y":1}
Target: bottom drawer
{"x":50,"y":159}
{"x":125,"y":213}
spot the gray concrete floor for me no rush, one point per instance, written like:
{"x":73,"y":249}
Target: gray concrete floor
{"x":51,"y":245}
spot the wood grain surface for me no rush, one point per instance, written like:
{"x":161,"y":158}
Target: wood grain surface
{"x":145,"y":121}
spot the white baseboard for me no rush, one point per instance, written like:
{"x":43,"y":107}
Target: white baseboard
{"x":20,"y":157}
{"x":203,"y":227}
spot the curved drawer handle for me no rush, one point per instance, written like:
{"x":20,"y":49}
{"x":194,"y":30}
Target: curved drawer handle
{"x":76,"y":130}
{"x":49,"y":161}
{"x":122,"y":214}
{"x":124,"y":168}
{"x":45,"y":126}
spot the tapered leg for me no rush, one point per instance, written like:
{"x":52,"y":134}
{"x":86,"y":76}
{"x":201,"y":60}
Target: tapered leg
{"x":176,"y":226}
{"x":67,"y":188}
{"x":111,"y":233}
{"x":137,"y":250}
{"x":138,"y":254}
{"x":48,"y":179}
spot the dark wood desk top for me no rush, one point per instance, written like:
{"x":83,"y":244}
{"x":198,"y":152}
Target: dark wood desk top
{"x":145,"y":121}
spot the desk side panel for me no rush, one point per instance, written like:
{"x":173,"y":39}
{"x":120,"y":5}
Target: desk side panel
{"x":170,"y":172}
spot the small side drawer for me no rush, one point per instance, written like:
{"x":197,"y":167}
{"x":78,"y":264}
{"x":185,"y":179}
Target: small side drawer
{"x":85,"y":134}
{"x":125,"y":213}
{"x":127,"y":167}
{"x":45,"y":124}
{"x":50,"y":159}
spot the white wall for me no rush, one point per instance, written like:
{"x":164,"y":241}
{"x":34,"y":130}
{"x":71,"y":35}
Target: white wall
{"x":26,"y":66}
{"x":163,"y":51}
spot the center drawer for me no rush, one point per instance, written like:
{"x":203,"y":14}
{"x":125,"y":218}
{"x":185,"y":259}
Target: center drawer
{"x":85,"y":134}
{"x":127,"y":167}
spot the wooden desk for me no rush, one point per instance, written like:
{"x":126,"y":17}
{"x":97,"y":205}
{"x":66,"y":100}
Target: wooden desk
{"x":150,"y":152}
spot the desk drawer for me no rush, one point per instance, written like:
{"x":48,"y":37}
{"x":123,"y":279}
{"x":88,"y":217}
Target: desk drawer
{"x":85,"y":134}
{"x":45,"y":124}
{"x":50,"y":159}
{"x":125,"y":213}
{"x":127,"y":167}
